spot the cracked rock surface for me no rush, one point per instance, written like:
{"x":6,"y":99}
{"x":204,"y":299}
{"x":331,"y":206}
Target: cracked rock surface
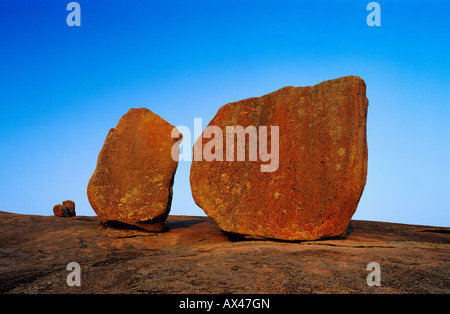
{"x":192,"y":255}
{"x":311,"y":186}
{"x":132,"y":182}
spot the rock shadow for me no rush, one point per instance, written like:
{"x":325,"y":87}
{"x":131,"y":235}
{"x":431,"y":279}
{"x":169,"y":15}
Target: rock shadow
{"x":186,"y":223}
{"x":234,"y":237}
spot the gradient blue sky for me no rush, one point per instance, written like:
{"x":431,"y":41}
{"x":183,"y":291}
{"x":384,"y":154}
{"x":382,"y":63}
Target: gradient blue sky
{"x":62,"y":88}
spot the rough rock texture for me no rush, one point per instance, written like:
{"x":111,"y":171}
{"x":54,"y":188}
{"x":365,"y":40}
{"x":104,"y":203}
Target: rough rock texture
{"x":70,"y":205}
{"x":60,"y":211}
{"x":193,"y":256}
{"x":135,"y":172}
{"x":322,"y":164}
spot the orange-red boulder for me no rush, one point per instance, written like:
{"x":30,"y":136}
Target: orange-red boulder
{"x":132,"y":183}
{"x":70,"y":205}
{"x":60,"y":211}
{"x":321,"y":171}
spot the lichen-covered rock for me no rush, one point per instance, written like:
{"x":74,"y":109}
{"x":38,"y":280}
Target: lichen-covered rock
{"x":321,"y":171}
{"x":133,"y":181}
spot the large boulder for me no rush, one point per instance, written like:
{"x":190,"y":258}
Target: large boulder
{"x":133,"y":181}
{"x":307,"y":190}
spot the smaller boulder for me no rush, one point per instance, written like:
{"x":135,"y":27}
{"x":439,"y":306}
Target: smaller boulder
{"x":132,"y":183}
{"x":70,"y":205}
{"x":60,"y":211}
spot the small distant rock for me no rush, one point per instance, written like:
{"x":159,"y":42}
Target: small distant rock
{"x":67,"y":209}
{"x":70,"y":205}
{"x":60,"y":211}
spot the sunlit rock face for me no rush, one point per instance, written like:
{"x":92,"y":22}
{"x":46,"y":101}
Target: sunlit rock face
{"x":132,"y":183}
{"x":314,"y":187}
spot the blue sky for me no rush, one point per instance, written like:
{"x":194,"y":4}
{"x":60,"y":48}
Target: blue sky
{"x":62,"y":88}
